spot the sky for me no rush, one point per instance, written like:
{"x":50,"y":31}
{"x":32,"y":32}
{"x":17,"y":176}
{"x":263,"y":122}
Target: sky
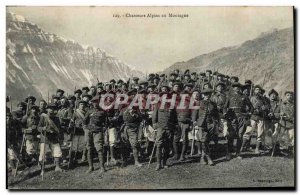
{"x":153,"y":44}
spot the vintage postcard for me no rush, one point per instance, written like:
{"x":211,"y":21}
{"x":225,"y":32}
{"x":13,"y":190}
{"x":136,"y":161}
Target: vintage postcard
{"x":150,"y":98}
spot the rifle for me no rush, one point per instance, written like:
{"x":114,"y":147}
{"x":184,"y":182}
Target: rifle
{"x":44,"y":156}
{"x":193,"y":140}
{"x":274,"y":142}
{"x":74,"y":131}
{"x":152,"y":149}
{"x":21,"y":150}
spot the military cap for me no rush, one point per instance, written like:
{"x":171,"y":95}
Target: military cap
{"x":207,"y":91}
{"x":95,"y":99}
{"x":78,"y":91}
{"x":290,"y":92}
{"x":43,"y":101}
{"x":236,"y":84}
{"x":248,"y":82}
{"x":227,"y":76}
{"x":93,"y":87}
{"x":151,"y":86}
{"x":188,"y":75}
{"x":245,"y":87}
{"x":99,"y":84}
{"x":112,"y":81}
{"x":151,"y":75}
{"x":187,"y":71}
{"x":177,"y":83}
{"x":30,"y":98}
{"x":143,"y":91}
{"x":107,"y":84}
{"x":202,"y":74}
{"x":135,"y":78}
{"x":82,"y":102}
{"x":235,"y":78}
{"x":22,"y":104}
{"x":132,"y":92}
{"x":220,"y":75}
{"x":263,"y":91}
{"x":85,"y":88}
{"x":273,"y":91}
{"x":120,"y":81}
{"x":208,"y":71}
{"x":87,"y":95}
{"x":162,"y":75}
{"x":215,"y":73}
{"x":35,"y":107}
{"x":188,"y":85}
{"x":52,"y":106}
{"x":60,"y":90}
{"x":258,"y":86}
{"x":71,"y":97}
{"x":220,"y":83}
{"x":56,"y":97}
{"x":173,"y":74}
{"x":143,"y":83}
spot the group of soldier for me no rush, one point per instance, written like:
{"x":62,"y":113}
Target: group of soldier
{"x":226,"y":109}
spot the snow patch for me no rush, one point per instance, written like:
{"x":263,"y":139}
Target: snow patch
{"x":87,"y":74}
{"x":54,"y":66}
{"x":17,"y":66}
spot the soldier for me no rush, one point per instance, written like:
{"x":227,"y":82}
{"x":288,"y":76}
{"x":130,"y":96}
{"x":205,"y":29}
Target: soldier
{"x":77,"y":94}
{"x":93,"y":91}
{"x":30,"y":100}
{"x":113,"y":83}
{"x":51,"y":135}
{"x":17,"y":116}
{"x":60,"y":93}
{"x":258,"y":117}
{"x":237,"y":109}
{"x":184,"y":121}
{"x":135,"y":83}
{"x":205,"y":120}
{"x":31,"y":122}
{"x":186,"y":79}
{"x":287,"y":112}
{"x":132,"y":118}
{"x":78,"y":133}
{"x":100,"y":89}
{"x":94,"y":126}
{"x":43,"y":106}
{"x":65,"y":114}
{"x":274,"y":117}
{"x":85,"y":90}
{"x":164,"y":121}
{"x":12,"y":142}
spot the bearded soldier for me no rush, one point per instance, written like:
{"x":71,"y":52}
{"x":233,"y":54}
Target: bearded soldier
{"x":94,"y":126}
{"x":287,"y":112}
{"x":205,"y":119}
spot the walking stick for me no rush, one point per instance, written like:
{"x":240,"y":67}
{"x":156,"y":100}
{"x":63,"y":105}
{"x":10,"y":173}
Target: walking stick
{"x":193,"y":141}
{"x":21,"y":150}
{"x":44,"y":157}
{"x":152,"y":151}
{"x":74,"y":131}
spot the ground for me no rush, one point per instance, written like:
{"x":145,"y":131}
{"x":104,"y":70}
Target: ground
{"x":252,"y":171}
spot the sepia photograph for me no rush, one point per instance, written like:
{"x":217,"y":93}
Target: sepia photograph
{"x":150,"y":98}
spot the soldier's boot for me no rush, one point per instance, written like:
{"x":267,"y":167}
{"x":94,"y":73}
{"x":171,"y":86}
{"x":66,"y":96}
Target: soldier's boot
{"x":136,"y":158}
{"x":238,"y":149}
{"x":175,"y":150}
{"x":244,"y":145}
{"x":158,"y":158}
{"x":198,"y":144}
{"x":209,"y":161}
{"x":84,"y":155}
{"x":101,"y":162}
{"x":90,"y":161}
{"x":257,"y":151}
{"x":112,"y":155}
{"x":57,"y":165}
{"x":182,"y":156}
{"x":202,"y":159}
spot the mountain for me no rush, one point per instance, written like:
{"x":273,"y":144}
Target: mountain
{"x":269,"y":57}
{"x":38,"y":62}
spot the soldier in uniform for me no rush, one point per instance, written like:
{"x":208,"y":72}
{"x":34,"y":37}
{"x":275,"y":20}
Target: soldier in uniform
{"x":60,"y":93}
{"x":30,"y":100}
{"x":164,"y":120}
{"x":12,"y":142}
{"x":258,"y":117}
{"x":93,"y":91}
{"x":135,"y":83}
{"x":94,"y":124}
{"x":30,"y":123}
{"x":77,"y":95}
{"x":287,"y":112}
{"x":205,"y":120}
{"x":132,"y":119}
{"x":17,"y":116}
{"x":51,"y":135}
{"x":43,"y":106}
{"x":237,"y":109}
{"x":85,"y":90}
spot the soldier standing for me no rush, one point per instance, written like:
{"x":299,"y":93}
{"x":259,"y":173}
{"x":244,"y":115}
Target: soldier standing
{"x":94,"y":126}
{"x":205,"y":120}
{"x":43,"y":106}
{"x":287,"y":112}
{"x":51,"y":135}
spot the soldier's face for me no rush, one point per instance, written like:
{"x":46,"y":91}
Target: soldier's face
{"x":42,"y":104}
{"x":21,"y":107}
{"x":59,"y":93}
{"x":196,"y":95}
{"x":236,"y":89}
{"x":164,"y":89}
{"x":100,"y":89}
{"x":289,"y":97}
{"x":150,"y":89}
{"x":246,"y":92}
{"x":257,"y":91}
{"x":55,"y":100}
{"x":95,"y":104}
{"x":63,"y":101}
{"x":176,"y":88}
{"x":220,"y":88}
{"x":205,"y":86}
{"x":107,"y":88}
{"x":93,"y":90}
{"x":50,"y":111}
{"x":206,"y":96}
{"x":81,"y":106}
{"x":86,"y":99}
{"x":188,"y":89}
{"x":273,"y":96}
{"x":33,"y":111}
{"x":77,"y":95}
